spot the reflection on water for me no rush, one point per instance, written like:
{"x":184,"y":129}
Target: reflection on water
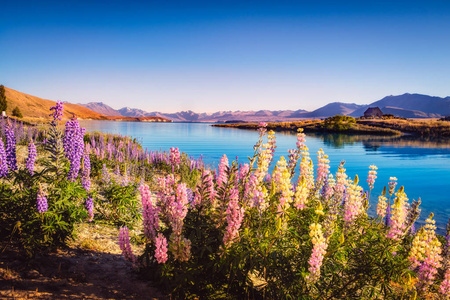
{"x":374,"y":142}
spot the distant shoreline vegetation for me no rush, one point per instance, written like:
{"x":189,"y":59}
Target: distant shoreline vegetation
{"x":349,"y":125}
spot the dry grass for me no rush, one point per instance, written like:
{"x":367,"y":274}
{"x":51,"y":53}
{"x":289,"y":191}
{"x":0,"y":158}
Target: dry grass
{"x":373,"y":126}
{"x":38,"y":108}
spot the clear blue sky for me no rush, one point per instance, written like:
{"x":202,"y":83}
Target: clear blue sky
{"x":224,"y":55}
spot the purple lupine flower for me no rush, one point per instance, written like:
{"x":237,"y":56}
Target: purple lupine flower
{"x":190,"y":195}
{"x":73,"y":146}
{"x":32,"y":154}
{"x":85,"y":174}
{"x":388,"y":216}
{"x":117,"y":170}
{"x":89,"y":204}
{"x":106,"y":178}
{"x":41,"y":201}
{"x":58,"y":111}
{"x":125,"y":178}
{"x":161,"y":249}
{"x":10,"y":147}
{"x":3,"y":161}
{"x":124,"y":244}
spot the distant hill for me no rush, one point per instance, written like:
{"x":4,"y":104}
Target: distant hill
{"x":332,"y":109}
{"x":132,"y":112}
{"x":423,"y":105}
{"x":102,"y":108}
{"x":35,"y":107}
{"x":408,"y":113}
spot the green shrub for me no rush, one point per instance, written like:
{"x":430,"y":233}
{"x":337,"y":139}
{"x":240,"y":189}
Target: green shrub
{"x":339,"y":123}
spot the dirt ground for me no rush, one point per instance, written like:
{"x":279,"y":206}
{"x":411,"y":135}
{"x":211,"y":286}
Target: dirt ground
{"x":92,"y":267}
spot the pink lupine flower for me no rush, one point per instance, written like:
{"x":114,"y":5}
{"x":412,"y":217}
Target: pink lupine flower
{"x":175,"y":158}
{"x":329,"y":187}
{"x":425,"y":255}
{"x":318,"y":252}
{"x":244,"y":171}
{"x":372,"y":176}
{"x":124,"y":244}
{"x":180,"y":247}
{"x":254,"y":195}
{"x":392,"y":184}
{"x":381,"y":206}
{"x":282,"y":183}
{"x":150,"y":213}
{"x":207,"y":186}
{"x":399,"y":212}
{"x":179,"y":209}
{"x":301,"y":194}
{"x":353,"y":205}
{"x":444,"y":288}
{"x":322,"y":168}
{"x":161,"y":249}
{"x":210,"y":184}
{"x":307,"y":170}
{"x":235,"y":215}
{"x":223,"y":166}
{"x":341,"y":181}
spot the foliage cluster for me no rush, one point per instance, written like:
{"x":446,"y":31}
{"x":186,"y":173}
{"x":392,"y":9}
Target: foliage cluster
{"x":17,"y":113}
{"x":339,"y":123}
{"x":39,"y":207}
{"x":242,"y":235}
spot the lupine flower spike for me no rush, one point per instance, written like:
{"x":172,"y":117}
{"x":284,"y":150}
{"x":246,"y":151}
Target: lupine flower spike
{"x":31,"y":157}
{"x":3,"y":162}
{"x":41,"y":201}
{"x":124,"y":244}
{"x":10,"y":147}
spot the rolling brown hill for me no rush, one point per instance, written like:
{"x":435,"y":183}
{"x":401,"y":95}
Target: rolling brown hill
{"x":35,"y":107}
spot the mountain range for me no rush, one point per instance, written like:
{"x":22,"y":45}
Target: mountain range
{"x":406,"y":106}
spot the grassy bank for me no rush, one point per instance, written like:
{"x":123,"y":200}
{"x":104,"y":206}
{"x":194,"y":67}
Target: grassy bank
{"x":389,"y":127}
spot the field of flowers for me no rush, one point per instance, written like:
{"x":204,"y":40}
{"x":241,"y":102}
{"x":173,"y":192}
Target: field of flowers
{"x":238,"y":231}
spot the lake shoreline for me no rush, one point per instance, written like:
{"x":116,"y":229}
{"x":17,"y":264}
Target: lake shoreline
{"x":379,"y":127}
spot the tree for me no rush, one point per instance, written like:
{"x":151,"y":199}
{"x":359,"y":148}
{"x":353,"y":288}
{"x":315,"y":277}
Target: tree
{"x":339,"y":123}
{"x":3,"y":103}
{"x":17,"y":113}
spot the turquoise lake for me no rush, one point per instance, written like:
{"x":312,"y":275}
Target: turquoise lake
{"x":422,"y":166}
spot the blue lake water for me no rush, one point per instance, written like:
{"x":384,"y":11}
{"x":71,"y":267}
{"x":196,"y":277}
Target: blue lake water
{"x":422,"y":166}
